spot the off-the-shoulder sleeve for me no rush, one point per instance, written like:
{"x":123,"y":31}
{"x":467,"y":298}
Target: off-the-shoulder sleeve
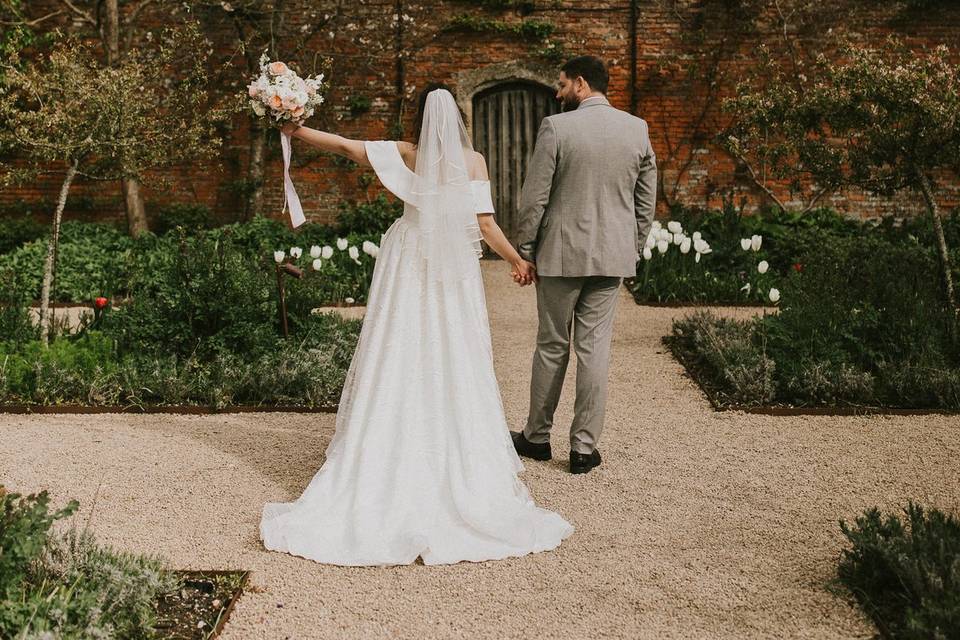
{"x":482,"y":196}
{"x":385,"y":158}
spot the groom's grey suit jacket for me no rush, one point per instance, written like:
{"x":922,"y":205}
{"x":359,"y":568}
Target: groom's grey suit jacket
{"x":588,"y":198}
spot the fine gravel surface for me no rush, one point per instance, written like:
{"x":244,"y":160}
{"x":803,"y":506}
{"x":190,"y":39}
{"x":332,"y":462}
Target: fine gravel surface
{"x":697,"y":525}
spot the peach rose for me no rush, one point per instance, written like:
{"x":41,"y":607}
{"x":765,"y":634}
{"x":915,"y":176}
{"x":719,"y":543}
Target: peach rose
{"x":297,"y":112}
{"x":277,"y":68}
{"x":252,"y":90}
{"x":275,"y":101}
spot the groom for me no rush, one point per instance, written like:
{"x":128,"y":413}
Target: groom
{"x":586,"y":207}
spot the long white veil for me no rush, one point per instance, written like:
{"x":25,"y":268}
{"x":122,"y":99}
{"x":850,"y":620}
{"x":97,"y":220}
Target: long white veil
{"x":449,"y":232}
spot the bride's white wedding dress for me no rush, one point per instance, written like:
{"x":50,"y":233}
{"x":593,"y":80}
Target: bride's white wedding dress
{"x":422,"y":463}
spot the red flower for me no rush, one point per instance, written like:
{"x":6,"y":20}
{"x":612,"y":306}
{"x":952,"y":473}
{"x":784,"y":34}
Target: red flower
{"x":100,"y":302}
{"x":797,"y":266}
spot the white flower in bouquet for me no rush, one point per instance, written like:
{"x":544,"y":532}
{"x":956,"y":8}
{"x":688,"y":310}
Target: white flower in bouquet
{"x":662,"y":246}
{"x":342,"y":244}
{"x":763,"y":266}
{"x":674,"y":226}
{"x":327,"y":252}
{"x":647,"y":253}
{"x":317,"y":264}
{"x":774,"y":295}
{"x":685,"y":246}
{"x":745,"y":244}
{"x":296,"y":252}
{"x":755,"y":241}
{"x":315,"y":251}
{"x":278,"y":256}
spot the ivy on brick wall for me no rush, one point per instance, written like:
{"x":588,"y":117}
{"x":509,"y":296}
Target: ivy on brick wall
{"x":532,"y":30}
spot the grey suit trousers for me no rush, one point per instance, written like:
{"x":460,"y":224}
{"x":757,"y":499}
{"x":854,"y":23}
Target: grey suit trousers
{"x":586,"y":305}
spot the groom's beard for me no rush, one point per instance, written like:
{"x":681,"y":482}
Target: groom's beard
{"x":569,"y":104}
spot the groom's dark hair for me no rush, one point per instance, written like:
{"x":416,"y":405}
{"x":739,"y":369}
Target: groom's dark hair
{"x":591,"y":69}
{"x":422,"y":104}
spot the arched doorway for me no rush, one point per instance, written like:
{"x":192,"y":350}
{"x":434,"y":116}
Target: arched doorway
{"x":506,"y":118}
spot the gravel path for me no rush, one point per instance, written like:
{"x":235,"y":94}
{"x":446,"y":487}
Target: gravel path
{"x":698,"y":524}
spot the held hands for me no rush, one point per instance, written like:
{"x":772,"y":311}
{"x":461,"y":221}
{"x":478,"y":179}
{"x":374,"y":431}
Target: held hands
{"x":524,"y":273}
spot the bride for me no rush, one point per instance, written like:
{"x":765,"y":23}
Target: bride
{"x":421,"y":463}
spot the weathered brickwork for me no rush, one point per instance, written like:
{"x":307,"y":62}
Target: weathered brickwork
{"x":678,"y":54}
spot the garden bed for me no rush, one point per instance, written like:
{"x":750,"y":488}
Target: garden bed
{"x":178,"y":409}
{"x":201,"y":607}
{"x":714,"y":395}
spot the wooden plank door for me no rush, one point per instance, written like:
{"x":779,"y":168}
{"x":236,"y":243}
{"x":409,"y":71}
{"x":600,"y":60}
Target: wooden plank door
{"x":506,"y":119}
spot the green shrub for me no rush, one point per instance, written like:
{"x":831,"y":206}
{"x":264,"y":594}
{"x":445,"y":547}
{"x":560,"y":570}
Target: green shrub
{"x":190,"y":216}
{"x":729,"y":356}
{"x":905,"y":573}
{"x":15,"y":232}
{"x":15,"y":323}
{"x":90,"y":263}
{"x":63,"y":585}
{"x":862,"y":309}
{"x":368,"y":218}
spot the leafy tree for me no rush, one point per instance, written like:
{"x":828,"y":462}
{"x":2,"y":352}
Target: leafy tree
{"x":883,"y":120}
{"x":106,"y":123}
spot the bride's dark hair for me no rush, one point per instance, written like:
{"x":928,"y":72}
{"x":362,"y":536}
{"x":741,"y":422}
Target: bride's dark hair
{"x":422,"y":103}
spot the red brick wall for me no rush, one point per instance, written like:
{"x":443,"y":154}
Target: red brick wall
{"x":674,"y":54}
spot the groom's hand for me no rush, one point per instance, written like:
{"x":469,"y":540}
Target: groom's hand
{"x":524,"y":272}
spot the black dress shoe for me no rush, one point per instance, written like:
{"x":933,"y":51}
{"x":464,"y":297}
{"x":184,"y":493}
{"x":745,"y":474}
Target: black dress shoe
{"x":584,"y":462}
{"x":529,"y":449}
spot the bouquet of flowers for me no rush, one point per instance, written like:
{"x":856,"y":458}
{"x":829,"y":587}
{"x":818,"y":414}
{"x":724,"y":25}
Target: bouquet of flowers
{"x":283,"y":96}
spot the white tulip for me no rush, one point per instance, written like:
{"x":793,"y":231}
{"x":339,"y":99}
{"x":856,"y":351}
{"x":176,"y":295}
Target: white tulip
{"x":678,"y":238}
{"x":663,"y":234}
{"x":296,"y":252}
{"x":763,"y":266}
{"x":745,"y":244}
{"x":651,"y":240}
{"x":315,"y":251}
{"x":326,"y":253}
{"x":278,"y":256}
{"x":354,"y":253}
{"x":647,"y":253}
{"x":755,"y":242}
{"x":696,"y":235}
{"x":317,"y":264}
{"x":662,"y":246}
{"x":674,"y":226}
{"x":699,"y":245}
{"x":374,"y":252}
{"x":342,"y":244}
{"x":655,"y":225}
{"x":697,"y":258}
{"x":745,"y":287}
{"x":685,"y":246}
{"x":774,"y":295}
{"x":369,"y":247}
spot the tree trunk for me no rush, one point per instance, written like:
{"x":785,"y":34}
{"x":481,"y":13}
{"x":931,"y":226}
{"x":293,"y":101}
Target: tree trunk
{"x":258,"y":143}
{"x":112,"y":32}
{"x":136,"y":214}
{"x":49,"y":267}
{"x":927,"y":189}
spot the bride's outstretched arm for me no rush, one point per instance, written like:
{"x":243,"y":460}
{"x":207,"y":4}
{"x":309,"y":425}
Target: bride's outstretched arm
{"x":352,"y":149}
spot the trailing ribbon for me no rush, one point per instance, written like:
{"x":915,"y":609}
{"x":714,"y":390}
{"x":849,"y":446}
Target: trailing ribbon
{"x":289,"y":193}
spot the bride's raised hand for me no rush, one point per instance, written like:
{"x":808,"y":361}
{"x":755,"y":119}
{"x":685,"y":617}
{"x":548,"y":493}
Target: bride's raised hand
{"x":289,"y":127}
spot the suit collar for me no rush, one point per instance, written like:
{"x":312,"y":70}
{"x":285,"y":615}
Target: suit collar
{"x":593,"y":101}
